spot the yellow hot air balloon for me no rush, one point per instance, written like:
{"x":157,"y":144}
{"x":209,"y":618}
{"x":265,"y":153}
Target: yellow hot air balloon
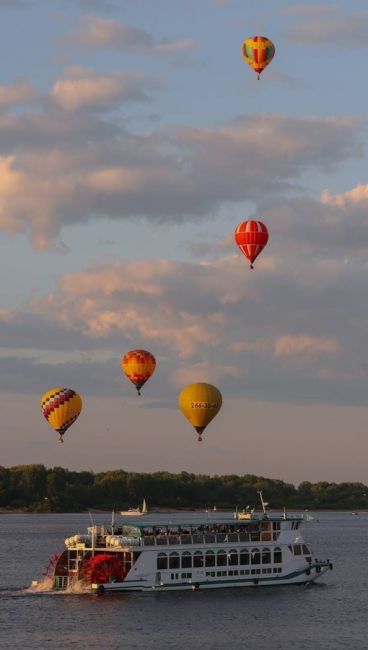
{"x":258,"y":52}
{"x":138,"y":365}
{"x":200,"y":403}
{"x":61,"y":407}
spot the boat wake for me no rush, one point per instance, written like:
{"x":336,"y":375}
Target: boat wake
{"x":41,"y":586}
{"x":45,"y":586}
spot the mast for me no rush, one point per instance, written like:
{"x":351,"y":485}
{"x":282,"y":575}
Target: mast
{"x":263,"y":503}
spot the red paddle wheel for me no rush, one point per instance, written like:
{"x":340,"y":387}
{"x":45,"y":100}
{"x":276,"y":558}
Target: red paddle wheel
{"x":103,"y":568}
{"x":49,"y":571}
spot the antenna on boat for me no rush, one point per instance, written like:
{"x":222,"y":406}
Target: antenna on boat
{"x":113,"y":522}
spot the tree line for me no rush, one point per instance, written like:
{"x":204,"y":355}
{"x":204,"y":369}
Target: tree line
{"x":34,"y":488}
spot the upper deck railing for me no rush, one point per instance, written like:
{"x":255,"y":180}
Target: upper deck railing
{"x":212,"y":538}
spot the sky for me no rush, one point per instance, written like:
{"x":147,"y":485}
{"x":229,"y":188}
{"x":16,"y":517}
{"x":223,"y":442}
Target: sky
{"x":133,"y":140}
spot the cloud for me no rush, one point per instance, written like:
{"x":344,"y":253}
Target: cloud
{"x":327,"y":27}
{"x":358,"y":196}
{"x":215,"y":321}
{"x":73,"y":169}
{"x":94,"y":32}
{"x":203,"y":371}
{"x":20,"y":92}
{"x":81,"y":88}
{"x":327,"y":228}
{"x":257,"y":345}
{"x":301,"y":345}
{"x":308,"y":10}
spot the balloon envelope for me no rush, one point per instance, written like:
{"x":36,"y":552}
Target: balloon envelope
{"x":61,"y":407}
{"x":138,"y":365}
{"x":200,"y":403}
{"x":251,"y":237}
{"x":258,"y":52}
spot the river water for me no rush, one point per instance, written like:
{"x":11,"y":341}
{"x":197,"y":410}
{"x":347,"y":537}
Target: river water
{"x":329,"y":615}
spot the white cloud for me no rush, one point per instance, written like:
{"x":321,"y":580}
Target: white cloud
{"x":302,"y":345}
{"x":94,"y":32}
{"x":71,"y":170}
{"x":214,"y":321}
{"x":20,"y":92}
{"x":81,"y":88}
{"x":327,"y":27}
{"x":358,"y":196}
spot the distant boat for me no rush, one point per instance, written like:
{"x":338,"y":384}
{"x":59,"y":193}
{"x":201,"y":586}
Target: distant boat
{"x":135,"y":512}
{"x":355,"y":512}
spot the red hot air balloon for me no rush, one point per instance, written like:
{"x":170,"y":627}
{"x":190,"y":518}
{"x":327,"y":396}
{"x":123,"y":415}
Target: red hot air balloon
{"x":251,"y":237}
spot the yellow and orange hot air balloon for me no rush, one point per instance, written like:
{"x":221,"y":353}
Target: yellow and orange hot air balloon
{"x":200,"y":403}
{"x":138,"y":365}
{"x":251,"y":237}
{"x":258,"y":52}
{"x":61,"y":407}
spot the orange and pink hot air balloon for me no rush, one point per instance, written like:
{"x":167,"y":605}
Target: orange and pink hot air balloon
{"x":251,"y":237}
{"x":138,"y":366}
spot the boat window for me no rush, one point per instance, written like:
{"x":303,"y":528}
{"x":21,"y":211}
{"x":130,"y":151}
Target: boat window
{"x":221,"y":558}
{"x":161,"y":561}
{"x":174,"y":561}
{"x":233,"y":557}
{"x":266,"y":556}
{"x":297,"y":549}
{"x":277,"y":555}
{"x":186,"y":560}
{"x":198,"y":559}
{"x":244,"y":556}
{"x":255,"y":534}
{"x":306,"y":550}
{"x":276,"y":525}
{"x":255,"y":556}
{"x":210,"y":559}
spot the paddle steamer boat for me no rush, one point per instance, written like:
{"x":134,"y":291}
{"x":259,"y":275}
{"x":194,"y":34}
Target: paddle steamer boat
{"x":189,"y":551}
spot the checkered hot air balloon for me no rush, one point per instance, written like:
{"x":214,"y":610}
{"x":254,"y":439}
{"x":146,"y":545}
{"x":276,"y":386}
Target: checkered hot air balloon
{"x":251,"y":237}
{"x":138,"y":366}
{"x":61,"y":407}
{"x":258,"y":52}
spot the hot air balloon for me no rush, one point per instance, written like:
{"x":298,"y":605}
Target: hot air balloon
{"x":138,"y":365}
{"x":258,"y":53}
{"x":251,"y":237}
{"x":61,"y":407}
{"x":200,"y":403}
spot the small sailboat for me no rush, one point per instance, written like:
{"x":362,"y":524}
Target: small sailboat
{"x":135,"y":512}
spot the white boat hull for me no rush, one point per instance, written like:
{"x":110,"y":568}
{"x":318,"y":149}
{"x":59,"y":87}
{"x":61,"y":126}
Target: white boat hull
{"x":305,"y":576}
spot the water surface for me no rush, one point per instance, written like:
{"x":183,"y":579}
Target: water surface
{"x":329,"y":615}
